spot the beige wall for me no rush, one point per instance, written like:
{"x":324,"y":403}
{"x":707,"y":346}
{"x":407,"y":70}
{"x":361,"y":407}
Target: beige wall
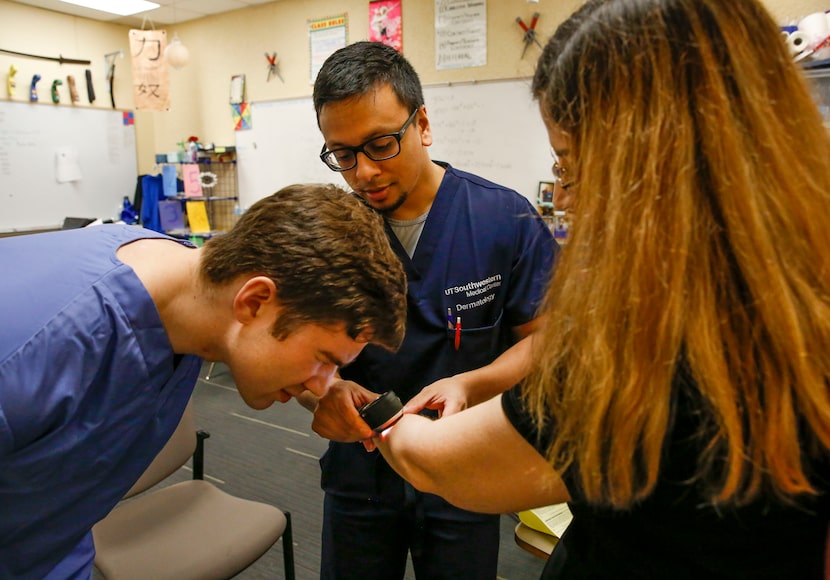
{"x":235,"y":43}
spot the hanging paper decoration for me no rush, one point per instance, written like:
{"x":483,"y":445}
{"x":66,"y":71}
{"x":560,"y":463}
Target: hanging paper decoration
{"x":191,"y":180}
{"x":208,"y":179}
{"x":151,"y":79}
{"x":241,"y":116}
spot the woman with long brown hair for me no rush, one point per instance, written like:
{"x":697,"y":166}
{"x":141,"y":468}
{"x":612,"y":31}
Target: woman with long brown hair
{"x":678,"y":396}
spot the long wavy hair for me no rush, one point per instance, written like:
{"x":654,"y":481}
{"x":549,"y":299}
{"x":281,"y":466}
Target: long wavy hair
{"x":701,"y":238}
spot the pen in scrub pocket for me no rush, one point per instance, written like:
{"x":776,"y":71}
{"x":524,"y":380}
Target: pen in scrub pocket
{"x":449,"y":319}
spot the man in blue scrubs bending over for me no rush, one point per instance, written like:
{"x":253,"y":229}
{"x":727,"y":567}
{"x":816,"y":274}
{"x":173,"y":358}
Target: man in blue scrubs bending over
{"x":477,"y":258}
{"x":103,"y":334}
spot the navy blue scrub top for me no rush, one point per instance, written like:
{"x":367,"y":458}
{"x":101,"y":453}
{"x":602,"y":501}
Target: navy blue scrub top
{"x":485,"y":255}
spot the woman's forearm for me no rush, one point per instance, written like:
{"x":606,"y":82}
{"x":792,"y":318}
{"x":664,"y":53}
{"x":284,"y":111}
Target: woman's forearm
{"x":474,"y":459}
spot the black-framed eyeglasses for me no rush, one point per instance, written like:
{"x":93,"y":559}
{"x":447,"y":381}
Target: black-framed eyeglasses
{"x":377,"y":149}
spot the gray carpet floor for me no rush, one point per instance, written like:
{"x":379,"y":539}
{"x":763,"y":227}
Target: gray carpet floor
{"x":272,"y":456}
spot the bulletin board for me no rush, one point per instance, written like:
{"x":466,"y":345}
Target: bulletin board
{"x":492,"y":129}
{"x":42,"y":143}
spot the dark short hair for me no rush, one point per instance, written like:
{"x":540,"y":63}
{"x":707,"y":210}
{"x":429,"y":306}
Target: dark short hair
{"x":328,"y":256}
{"x":358,"y":68}
{"x":562,"y":41}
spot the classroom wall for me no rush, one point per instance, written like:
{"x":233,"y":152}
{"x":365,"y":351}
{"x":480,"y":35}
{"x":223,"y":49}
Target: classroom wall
{"x":282,"y":27}
{"x":235,"y":43}
{"x":30,"y":30}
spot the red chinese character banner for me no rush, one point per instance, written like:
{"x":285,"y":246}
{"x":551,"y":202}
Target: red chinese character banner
{"x":385,"y":23}
{"x":151,"y":81}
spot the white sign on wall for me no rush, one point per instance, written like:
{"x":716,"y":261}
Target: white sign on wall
{"x":460,"y":33}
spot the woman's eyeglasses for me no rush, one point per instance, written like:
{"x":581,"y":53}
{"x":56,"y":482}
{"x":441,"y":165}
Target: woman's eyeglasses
{"x":560,"y":173}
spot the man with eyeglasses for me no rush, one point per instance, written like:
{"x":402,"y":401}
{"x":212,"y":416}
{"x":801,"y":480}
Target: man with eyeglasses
{"x":477,"y":257}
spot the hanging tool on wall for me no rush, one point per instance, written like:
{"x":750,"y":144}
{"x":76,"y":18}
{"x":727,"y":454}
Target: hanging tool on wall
{"x":90,"y":90}
{"x":33,"y":88}
{"x":58,"y":58}
{"x":56,"y":97}
{"x":273,"y":66}
{"x":73,"y":89}
{"x":529,"y":32}
{"x":11,"y":84}
{"x":110,"y":60}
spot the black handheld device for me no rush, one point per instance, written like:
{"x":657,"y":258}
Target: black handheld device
{"x":383,"y":412}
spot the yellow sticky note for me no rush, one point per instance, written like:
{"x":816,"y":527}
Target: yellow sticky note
{"x":197,"y":217}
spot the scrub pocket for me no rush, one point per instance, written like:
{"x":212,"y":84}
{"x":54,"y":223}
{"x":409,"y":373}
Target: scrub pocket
{"x":477,"y":346}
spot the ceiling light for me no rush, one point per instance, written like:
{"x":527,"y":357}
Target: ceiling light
{"x":122,"y":7}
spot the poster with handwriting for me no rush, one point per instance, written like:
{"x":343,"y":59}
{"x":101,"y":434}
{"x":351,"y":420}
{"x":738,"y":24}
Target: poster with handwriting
{"x":151,"y":80}
{"x":460,"y":33}
{"x":325,"y":35}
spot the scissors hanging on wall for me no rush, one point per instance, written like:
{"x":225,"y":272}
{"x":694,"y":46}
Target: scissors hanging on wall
{"x":529,"y":32}
{"x":273,"y":66}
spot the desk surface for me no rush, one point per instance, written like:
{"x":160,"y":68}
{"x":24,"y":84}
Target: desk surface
{"x":537,"y":543}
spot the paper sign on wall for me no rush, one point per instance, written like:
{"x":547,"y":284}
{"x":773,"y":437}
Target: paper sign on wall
{"x":151,"y":80}
{"x":460,"y":34}
{"x":325,"y":35}
{"x":67,"y":167}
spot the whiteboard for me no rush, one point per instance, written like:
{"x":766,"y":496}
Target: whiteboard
{"x":492,"y":129}
{"x":93,"y":144}
{"x":281,"y":148}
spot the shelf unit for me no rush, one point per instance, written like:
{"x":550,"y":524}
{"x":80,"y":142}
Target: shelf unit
{"x":220,"y":191}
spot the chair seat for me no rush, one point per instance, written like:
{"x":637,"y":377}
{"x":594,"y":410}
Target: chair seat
{"x":180,"y":524}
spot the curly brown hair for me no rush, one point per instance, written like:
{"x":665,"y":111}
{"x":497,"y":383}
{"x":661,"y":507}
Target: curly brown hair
{"x":328,"y":256}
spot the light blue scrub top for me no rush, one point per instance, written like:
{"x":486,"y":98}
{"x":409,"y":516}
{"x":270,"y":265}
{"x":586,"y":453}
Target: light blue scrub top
{"x":89,"y":393}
